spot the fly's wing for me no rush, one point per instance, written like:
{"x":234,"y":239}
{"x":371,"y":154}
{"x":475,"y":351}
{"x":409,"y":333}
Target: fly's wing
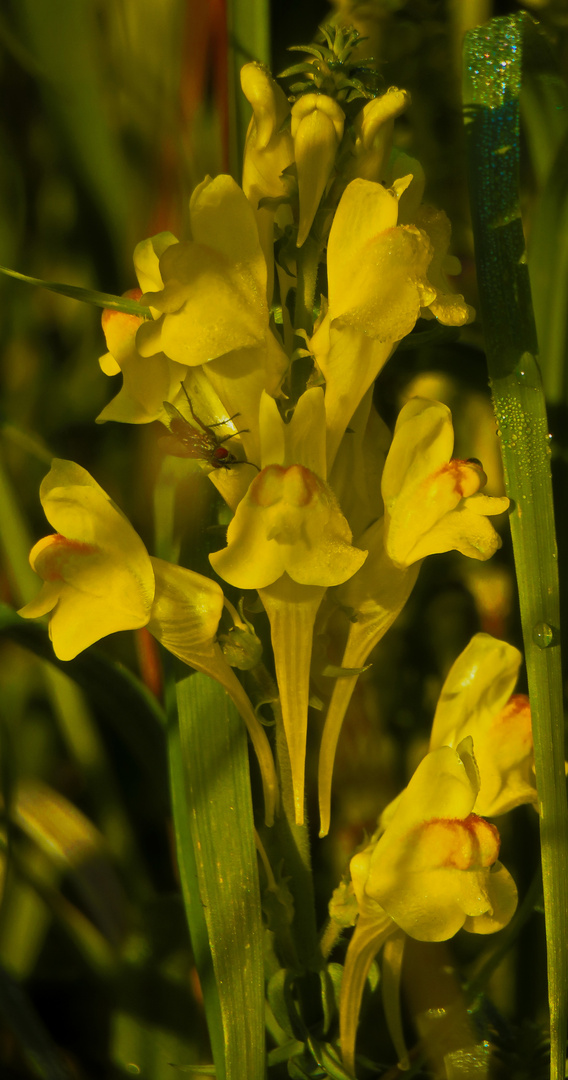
{"x":185,"y":440}
{"x":205,"y":402}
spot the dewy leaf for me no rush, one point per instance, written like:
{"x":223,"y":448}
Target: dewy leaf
{"x":219,"y":813}
{"x":492,"y":83}
{"x":86,"y":296}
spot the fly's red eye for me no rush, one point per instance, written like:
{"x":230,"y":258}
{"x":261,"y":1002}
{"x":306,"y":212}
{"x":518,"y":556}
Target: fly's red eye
{"x":220,"y":453}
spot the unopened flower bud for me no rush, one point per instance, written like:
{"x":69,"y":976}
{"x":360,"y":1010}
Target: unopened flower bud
{"x":269,"y":149}
{"x":372,"y":134}
{"x":317,"y":130}
{"x":241,"y":648}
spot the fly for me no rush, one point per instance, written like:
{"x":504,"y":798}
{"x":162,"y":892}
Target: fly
{"x":200,"y":442}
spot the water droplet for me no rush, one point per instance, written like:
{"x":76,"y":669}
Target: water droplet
{"x":528,"y":371}
{"x":544,"y":635}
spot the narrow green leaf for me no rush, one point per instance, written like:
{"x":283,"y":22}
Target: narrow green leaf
{"x":194,"y":906}
{"x":218,"y":815}
{"x":492,"y":82}
{"x":86,"y":296}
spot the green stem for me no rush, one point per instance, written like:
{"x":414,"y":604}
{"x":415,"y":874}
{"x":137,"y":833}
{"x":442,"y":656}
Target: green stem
{"x":491,"y":92}
{"x":331,"y":934}
{"x":307,"y":268}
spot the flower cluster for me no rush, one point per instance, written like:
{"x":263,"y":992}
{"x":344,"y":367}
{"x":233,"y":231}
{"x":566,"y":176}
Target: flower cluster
{"x":278,"y":410}
{"x":266,"y":387}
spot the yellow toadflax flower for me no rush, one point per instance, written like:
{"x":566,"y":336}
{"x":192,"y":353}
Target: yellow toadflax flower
{"x":379,"y":285}
{"x":269,"y":152}
{"x":432,"y":501}
{"x":99,"y":579}
{"x":433,"y":871}
{"x":97,"y":574}
{"x":290,"y":540}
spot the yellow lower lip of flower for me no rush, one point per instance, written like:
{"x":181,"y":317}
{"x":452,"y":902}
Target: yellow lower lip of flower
{"x":288,"y":522}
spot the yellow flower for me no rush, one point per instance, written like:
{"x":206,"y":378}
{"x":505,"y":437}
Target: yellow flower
{"x":97,"y":574}
{"x":99,"y":578}
{"x":476,"y":700}
{"x":290,"y":540}
{"x":289,"y":521}
{"x":377,"y":286}
{"x":214,"y":295}
{"x":212,"y":310}
{"x":447,"y":306}
{"x":432,"y":502}
{"x":432,"y":872}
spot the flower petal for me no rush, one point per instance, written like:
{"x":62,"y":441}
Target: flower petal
{"x":382,"y":292}
{"x":476,"y":688}
{"x":147,"y":256}
{"x":504,"y":898}
{"x":300,"y":440}
{"x":292,"y":609}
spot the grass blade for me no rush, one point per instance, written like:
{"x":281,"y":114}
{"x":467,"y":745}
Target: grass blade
{"x":492,"y":82}
{"x":218,"y":815}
